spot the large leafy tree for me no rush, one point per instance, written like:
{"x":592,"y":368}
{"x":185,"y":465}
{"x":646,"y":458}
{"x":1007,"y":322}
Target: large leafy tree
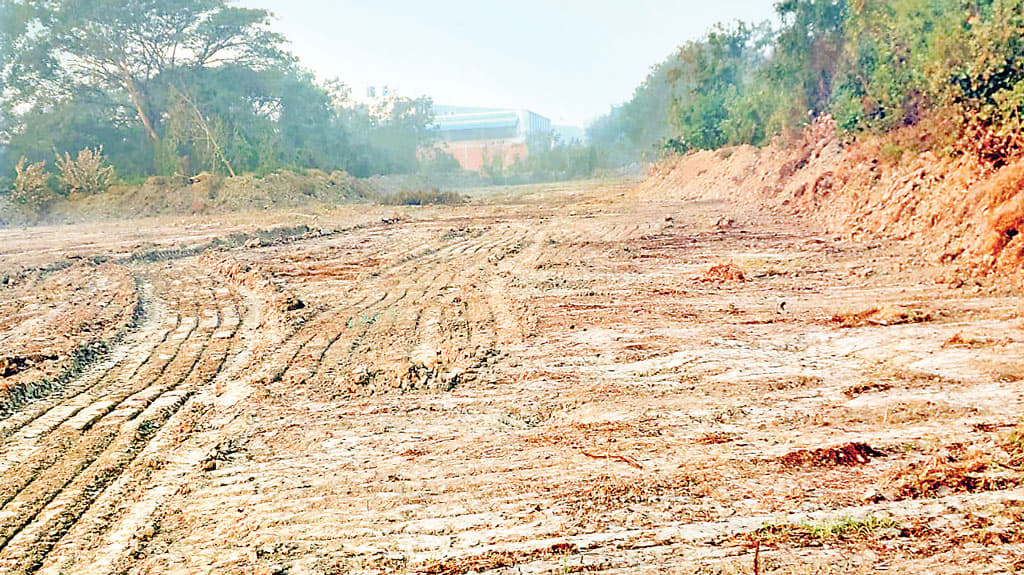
{"x":204,"y":82}
{"x":127,"y":52}
{"x":181,"y":86}
{"x":714,"y":73}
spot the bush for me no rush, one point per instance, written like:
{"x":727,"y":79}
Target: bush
{"x":422,"y":198}
{"x":88,"y":174}
{"x":31,"y":184}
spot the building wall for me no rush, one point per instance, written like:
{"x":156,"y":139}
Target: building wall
{"x":531,"y":123}
{"x":474,"y":155}
{"x":475,"y":136}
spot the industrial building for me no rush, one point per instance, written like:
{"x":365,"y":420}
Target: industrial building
{"x":479,"y":137}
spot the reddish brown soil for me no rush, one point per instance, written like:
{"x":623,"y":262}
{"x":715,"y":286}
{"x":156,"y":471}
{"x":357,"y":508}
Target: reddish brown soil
{"x":537,"y":382}
{"x":953,"y":210}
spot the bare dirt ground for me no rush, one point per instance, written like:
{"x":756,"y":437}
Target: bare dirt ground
{"x":555,"y":379}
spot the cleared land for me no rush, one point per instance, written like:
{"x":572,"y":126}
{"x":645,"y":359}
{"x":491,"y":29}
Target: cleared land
{"x":577,"y":378}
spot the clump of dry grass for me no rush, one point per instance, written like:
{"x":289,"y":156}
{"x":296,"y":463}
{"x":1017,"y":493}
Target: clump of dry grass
{"x":716,"y":438}
{"x":881,"y":316}
{"x":31,"y":184}
{"x":960,"y":340}
{"x":939,"y":474}
{"x":1015,"y":446}
{"x":993,"y":465}
{"x":860,"y":388}
{"x":492,"y":560}
{"x":87,"y":174}
{"x":423,"y":197}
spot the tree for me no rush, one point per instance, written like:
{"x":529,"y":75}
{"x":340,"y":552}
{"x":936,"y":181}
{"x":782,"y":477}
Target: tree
{"x":808,"y":48}
{"x":714,"y":74}
{"x":126,"y":54}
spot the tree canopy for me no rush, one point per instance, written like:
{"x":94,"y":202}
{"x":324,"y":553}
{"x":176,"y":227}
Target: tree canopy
{"x":181,"y":86}
{"x":873,"y":65}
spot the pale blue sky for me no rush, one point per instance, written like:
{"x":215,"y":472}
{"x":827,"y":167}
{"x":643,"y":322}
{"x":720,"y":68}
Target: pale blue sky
{"x":569,"y":60}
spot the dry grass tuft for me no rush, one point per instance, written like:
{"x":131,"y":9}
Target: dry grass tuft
{"x":87,"y":174}
{"x":881,"y":316}
{"x":861,"y":388}
{"x":426,"y":197}
{"x":849,"y":454}
{"x":960,"y":340}
{"x":1015,"y":446}
{"x":716,"y":438}
{"x":976,"y":471}
{"x":491,"y":560}
{"x":31,"y":184}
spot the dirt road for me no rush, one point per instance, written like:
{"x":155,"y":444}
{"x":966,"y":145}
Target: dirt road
{"x":564,"y":378}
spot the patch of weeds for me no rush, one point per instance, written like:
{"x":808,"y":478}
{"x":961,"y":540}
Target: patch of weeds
{"x":841,"y":529}
{"x":795,"y":382}
{"x":362,"y":320}
{"x":423,"y":197}
{"x":523,"y":419}
{"x":1015,"y":445}
{"x":225,"y":451}
{"x":716,"y":437}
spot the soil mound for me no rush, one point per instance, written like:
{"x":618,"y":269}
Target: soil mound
{"x":955,"y":209}
{"x":213,"y":194}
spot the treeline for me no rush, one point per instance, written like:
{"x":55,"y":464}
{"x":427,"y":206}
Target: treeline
{"x":179,"y":87}
{"x":952,"y":67}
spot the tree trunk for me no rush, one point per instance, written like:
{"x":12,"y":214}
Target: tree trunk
{"x":140,"y":109}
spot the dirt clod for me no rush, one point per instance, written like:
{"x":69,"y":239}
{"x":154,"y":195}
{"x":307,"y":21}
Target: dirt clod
{"x":723,"y":272}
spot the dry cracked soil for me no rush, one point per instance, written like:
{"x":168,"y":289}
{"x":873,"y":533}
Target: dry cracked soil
{"x":548,"y":379}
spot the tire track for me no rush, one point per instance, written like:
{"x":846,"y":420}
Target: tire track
{"x":48,"y":506}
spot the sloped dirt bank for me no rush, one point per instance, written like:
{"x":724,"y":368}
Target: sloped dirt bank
{"x":954,"y":210}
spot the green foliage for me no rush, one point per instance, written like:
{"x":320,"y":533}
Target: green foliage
{"x":807,"y":49}
{"x":873,"y":65}
{"x":551,"y":160}
{"x":178,"y":87}
{"x":843,"y":528}
{"x":714,"y":72}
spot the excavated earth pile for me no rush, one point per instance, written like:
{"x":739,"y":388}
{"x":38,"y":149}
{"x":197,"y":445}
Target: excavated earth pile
{"x":955,"y":210}
{"x":568,"y":378}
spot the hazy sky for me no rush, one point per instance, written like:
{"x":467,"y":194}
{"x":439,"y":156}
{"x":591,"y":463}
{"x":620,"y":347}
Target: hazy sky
{"x":569,"y":60}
